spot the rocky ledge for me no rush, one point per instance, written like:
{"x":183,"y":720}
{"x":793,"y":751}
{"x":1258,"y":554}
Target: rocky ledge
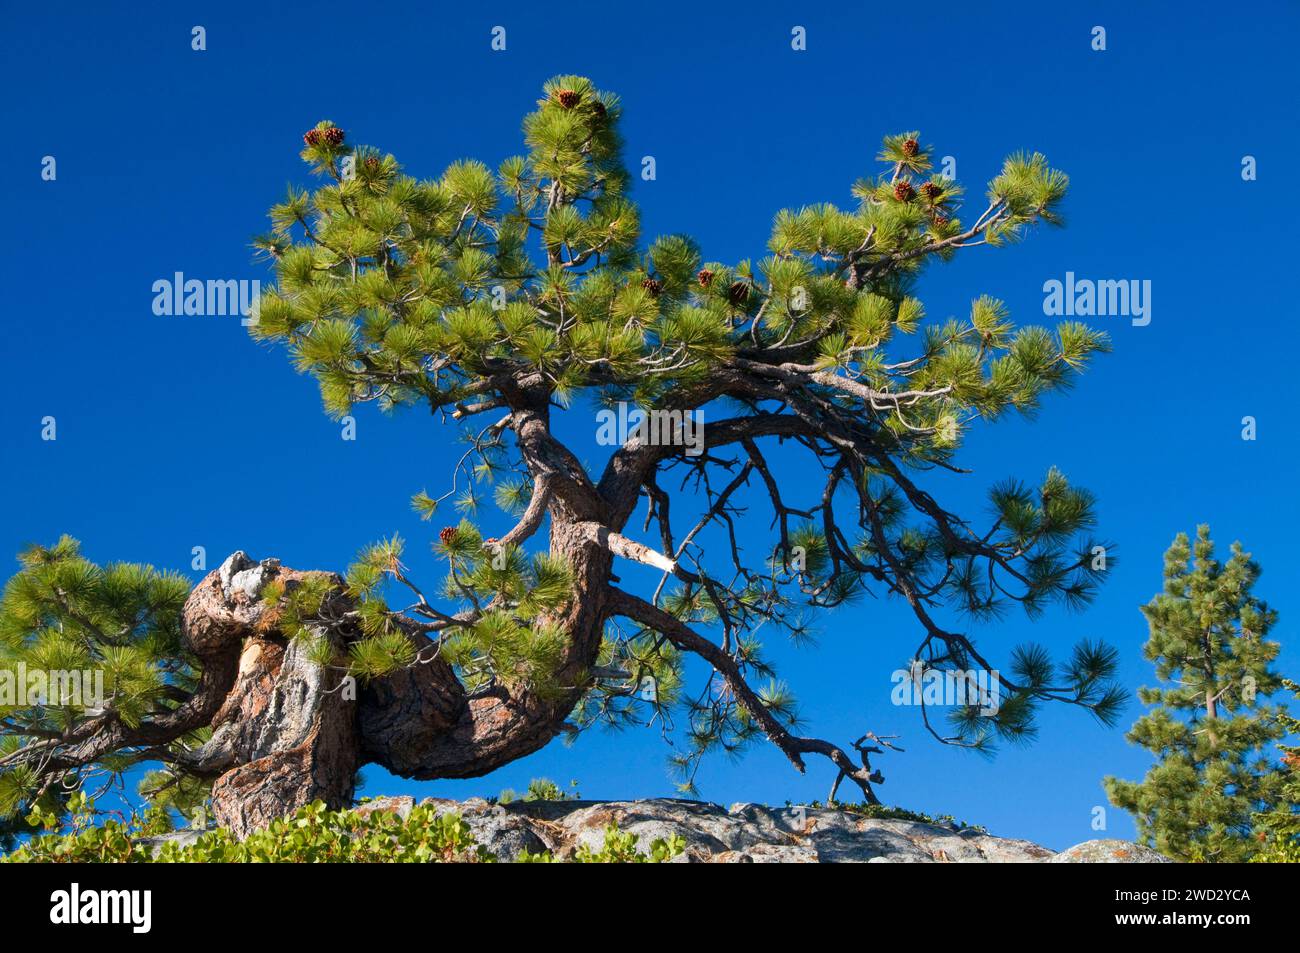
{"x":750,"y":833}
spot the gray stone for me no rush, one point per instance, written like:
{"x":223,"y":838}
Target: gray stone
{"x":750,"y":833}
{"x":504,"y":833}
{"x":1109,"y":852}
{"x":741,"y":834}
{"x":180,"y":838}
{"x":401,"y":806}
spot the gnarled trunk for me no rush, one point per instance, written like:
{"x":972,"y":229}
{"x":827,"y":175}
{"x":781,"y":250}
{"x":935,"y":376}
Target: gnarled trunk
{"x":289,"y":732}
{"x":419,"y":723}
{"x":284,"y":735}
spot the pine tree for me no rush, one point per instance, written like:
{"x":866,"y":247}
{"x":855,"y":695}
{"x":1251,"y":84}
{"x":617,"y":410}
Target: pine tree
{"x":63,"y":614}
{"x":500,"y":298}
{"x":1210,"y":730}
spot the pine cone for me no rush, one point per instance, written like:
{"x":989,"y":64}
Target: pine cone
{"x":931,"y":191}
{"x":903,"y":191}
{"x":311,"y":137}
{"x":372,"y":163}
{"x":738,"y":293}
{"x":910,"y":147}
{"x":334,"y":136}
{"x":567,"y":98}
{"x":446,"y":535}
{"x":598,"y":108}
{"x":653,"y":285}
{"x":940,"y":221}
{"x":704,"y":277}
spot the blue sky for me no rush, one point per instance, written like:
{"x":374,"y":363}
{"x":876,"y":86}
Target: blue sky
{"x":175,"y":432}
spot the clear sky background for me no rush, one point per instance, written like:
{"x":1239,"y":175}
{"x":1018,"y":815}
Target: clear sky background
{"x":176,"y":432}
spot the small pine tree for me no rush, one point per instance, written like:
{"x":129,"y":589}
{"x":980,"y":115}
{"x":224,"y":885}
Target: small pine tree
{"x":1209,"y":730}
{"x":541,"y":789}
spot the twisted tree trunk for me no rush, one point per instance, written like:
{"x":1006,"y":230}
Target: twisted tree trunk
{"x":283,"y":735}
{"x":288,"y":732}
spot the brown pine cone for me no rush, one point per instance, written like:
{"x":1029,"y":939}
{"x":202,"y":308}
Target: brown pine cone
{"x":940,"y":221}
{"x":567,"y":98}
{"x":311,"y":137}
{"x":446,"y":535}
{"x":903,"y":191}
{"x":372,"y":163}
{"x":910,"y":147}
{"x":931,"y":191}
{"x":653,"y":285}
{"x":704,"y":277}
{"x":334,"y":136}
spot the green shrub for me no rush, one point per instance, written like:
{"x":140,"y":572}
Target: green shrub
{"x":619,"y":848}
{"x":541,"y":789}
{"x":314,"y":834}
{"x":886,"y":813}
{"x":1277,"y":850}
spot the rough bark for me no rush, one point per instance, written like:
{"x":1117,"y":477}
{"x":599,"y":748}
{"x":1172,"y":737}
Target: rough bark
{"x":419,"y":724}
{"x":496,"y":728}
{"x":402,"y":717}
{"x":285,"y":735}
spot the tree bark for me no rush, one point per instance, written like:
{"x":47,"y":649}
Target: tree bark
{"x":284,"y":735}
{"x":288,"y":732}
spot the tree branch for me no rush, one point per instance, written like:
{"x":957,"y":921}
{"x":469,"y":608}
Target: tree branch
{"x":687,"y":639}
